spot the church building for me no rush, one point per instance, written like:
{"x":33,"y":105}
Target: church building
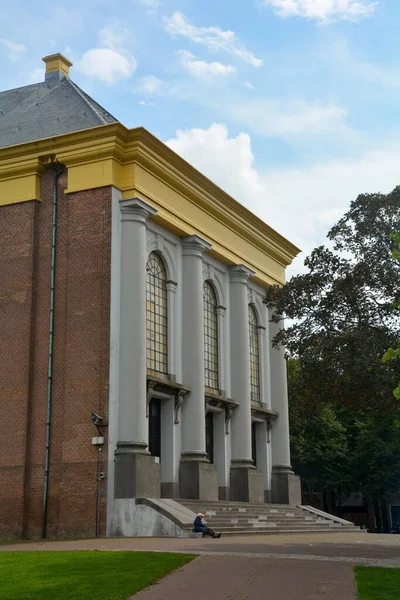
{"x":136,"y":368}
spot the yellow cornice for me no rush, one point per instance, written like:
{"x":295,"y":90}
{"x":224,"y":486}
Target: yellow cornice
{"x":187,"y":180}
{"x":127,"y":159}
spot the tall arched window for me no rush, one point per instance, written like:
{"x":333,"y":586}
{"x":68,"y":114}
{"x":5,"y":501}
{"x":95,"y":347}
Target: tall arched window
{"x":210,"y":337}
{"x":254,"y":356}
{"x":156,"y":315}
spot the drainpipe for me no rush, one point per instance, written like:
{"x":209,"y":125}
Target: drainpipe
{"x":57,"y":168}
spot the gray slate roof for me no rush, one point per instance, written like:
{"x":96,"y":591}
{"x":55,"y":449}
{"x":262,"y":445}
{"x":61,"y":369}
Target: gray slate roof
{"x":45,"y":110}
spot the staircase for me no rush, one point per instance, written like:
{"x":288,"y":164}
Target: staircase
{"x":242,"y":518}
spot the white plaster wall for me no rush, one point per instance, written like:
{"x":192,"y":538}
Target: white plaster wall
{"x":114,"y":347}
{"x":222,"y":454}
{"x":267,"y":350}
{"x":130,"y":520}
{"x":170,"y":443}
{"x":227,"y":343}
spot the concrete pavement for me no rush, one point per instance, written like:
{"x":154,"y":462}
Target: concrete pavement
{"x":227,"y":578}
{"x":270,"y":567}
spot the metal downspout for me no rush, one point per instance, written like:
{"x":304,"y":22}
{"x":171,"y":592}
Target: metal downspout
{"x":57,"y":172}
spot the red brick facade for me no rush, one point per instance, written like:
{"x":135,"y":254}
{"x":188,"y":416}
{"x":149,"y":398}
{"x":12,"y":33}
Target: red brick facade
{"x":80,"y":364}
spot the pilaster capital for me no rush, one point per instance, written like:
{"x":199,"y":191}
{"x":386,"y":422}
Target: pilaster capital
{"x":194,"y":245}
{"x":171,"y":286}
{"x":221,"y":310}
{"x":240,"y":274}
{"x":137,"y":210}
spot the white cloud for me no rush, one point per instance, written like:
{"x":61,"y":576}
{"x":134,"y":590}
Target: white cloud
{"x":249,"y":85}
{"x":288,"y":118}
{"x":213,"y":38}
{"x":323,"y":10}
{"x":111,"y":62}
{"x":227,"y":161}
{"x":14,"y":51}
{"x":113,"y":35}
{"x":107,"y":65}
{"x":150,"y":85}
{"x":300,"y":203}
{"x":202,"y":69}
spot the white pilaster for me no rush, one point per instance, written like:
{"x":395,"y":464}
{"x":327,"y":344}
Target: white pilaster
{"x":221,"y":347}
{"x":169,"y":450}
{"x":222,"y":454}
{"x":262,"y":365}
{"x":262,"y":453}
{"x":132,"y":421}
{"x":240,"y":366}
{"x":172,"y":342}
{"x":193,"y":410}
{"x":279,"y":401}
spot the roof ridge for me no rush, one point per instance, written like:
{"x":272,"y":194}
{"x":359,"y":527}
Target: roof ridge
{"x":85,"y":98}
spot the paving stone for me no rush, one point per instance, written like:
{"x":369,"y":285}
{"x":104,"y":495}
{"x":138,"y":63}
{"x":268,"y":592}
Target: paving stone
{"x":227,"y":578}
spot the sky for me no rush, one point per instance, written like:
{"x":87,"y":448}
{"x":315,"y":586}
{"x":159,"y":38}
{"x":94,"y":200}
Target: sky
{"x":291,"y":106}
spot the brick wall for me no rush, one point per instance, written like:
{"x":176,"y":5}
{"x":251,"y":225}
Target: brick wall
{"x":17,"y":250}
{"x":80,"y":364}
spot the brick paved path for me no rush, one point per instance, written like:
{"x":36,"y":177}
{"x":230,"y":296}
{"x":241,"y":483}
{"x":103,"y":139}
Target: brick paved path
{"x":250,"y":578}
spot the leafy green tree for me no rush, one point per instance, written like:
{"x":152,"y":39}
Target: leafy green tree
{"x":319,"y":447}
{"x":375,"y":456}
{"x":342,"y":308}
{"x":341,"y":400}
{"x":394,"y":353}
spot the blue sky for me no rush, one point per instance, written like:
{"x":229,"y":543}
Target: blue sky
{"x":289,"y":105}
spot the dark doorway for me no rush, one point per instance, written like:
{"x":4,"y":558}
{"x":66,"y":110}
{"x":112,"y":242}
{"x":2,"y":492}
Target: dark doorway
{"x":155,"y":427}
{"x":395,"y":514}
{"x":254,"y":443}
{"x":210,"y":436}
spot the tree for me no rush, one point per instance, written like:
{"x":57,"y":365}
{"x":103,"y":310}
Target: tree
{"x":318,"y":439}
{"x":342,"y":307}
{"x":342,"y":323}
{"x":394,"y":353}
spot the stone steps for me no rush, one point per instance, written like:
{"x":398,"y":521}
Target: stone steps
{"x":256,"y":522}
{"x":240,"y":518}
{"x":276,"y":531}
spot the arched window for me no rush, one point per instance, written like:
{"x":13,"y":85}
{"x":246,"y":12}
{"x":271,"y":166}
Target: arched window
{"x":254,"y":356}
{"x":210,"y":337}
{"x":156,"y":315}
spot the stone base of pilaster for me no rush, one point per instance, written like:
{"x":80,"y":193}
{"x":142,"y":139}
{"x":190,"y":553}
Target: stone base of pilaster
{"x":247,"y":484}
{"x":267,"y":496}
{"x":198,"y":480}
{"x":169,"y":489}
{"x":286,"y":486}
{"x":224,"y":493}
{"x":137,"y":475}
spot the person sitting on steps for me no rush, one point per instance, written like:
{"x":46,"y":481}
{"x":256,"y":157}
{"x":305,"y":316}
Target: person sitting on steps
{"x":200,"y":526}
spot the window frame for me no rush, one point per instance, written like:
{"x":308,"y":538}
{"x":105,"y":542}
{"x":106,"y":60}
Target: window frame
{"x":157,"y":338}
{"x":211,"y":337}
{"x":254,"y":355}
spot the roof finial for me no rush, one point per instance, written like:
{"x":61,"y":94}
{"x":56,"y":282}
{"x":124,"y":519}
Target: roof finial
{"x":57,"y":67}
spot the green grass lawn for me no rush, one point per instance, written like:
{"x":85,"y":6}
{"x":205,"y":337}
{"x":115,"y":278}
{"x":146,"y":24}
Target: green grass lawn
{"x":82,"y":575}
{"x":376,"y":583}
